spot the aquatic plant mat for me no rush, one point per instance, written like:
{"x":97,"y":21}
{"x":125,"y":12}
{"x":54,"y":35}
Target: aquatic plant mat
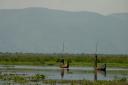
{"x":20,"y":78}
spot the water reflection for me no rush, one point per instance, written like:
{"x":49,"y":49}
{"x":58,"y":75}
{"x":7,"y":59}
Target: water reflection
{"x":62,"y":71}
{"x":73,"y":73}
{"x":98,"y":71}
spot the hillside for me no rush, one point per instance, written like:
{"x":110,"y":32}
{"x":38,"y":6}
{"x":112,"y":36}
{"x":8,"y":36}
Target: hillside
{"x":44,"y":30}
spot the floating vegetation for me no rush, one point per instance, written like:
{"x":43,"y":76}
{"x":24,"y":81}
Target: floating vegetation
{"x":37,"y":77}
{"x":24,"y":79}
{"x":21,"y":78}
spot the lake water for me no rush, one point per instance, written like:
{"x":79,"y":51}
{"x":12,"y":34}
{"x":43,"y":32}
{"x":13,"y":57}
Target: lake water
{"x":73,"y":73}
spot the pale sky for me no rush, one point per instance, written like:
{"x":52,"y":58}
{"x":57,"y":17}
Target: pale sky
{"x":100,"y":6}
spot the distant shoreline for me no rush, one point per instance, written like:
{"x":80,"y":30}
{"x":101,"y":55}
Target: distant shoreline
{"x":51,"y":59}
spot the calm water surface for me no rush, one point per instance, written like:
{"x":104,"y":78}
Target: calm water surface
{"x":73,"y":73}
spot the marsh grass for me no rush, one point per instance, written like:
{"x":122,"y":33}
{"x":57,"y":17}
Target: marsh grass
{"x":51,"y":59}
{"x":21,"y":78}
{"x":85,"y":82}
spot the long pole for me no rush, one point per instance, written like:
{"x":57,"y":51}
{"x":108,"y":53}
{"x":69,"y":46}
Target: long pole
{"x":62,"y":53}
{"x":96,"y":55}
{"x":63,"y":48}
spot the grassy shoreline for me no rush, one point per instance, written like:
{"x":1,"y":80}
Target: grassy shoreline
{"x":51,"y":59}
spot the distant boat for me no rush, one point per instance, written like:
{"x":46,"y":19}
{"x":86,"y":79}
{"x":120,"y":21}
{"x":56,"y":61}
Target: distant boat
{"x":102,"y":68}
{"x":63,"y":65}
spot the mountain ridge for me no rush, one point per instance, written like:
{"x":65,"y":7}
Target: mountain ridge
{"x":43,"y":30}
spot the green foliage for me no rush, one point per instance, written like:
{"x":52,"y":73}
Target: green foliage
{"x":84,"y":82}
{"x":38,"y":77}
{"x":13,"y":77}
{"x":52,"y":59}
{"x":21,"y":78}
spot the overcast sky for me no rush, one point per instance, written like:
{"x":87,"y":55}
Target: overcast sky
{"x":100,"y":6}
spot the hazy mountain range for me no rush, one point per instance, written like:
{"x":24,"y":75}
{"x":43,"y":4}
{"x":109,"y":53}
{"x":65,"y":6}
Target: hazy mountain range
{"x":44,"y":30}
